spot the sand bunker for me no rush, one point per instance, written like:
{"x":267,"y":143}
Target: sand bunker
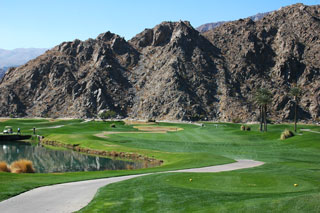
{"x":145,"y":129}
{"x":135,"y":122}
{"x":158,"y":128}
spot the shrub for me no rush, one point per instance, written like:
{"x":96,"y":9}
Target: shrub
{"x":245,"y":128}
{"x":286,"y":134}
{"x":114,"y":154}
{"x":4,"y":167}
{"x":22,"y":166}
{"x":107,"y":114}
{"x":151,"y":120}
{"x":129,"y":167}
{"x":113,"y":125}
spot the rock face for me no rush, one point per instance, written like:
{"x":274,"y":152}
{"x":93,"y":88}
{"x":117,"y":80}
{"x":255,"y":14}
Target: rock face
{"x":210,"y":26}
{"x":173,"y":72}
{"x":276,"y":52}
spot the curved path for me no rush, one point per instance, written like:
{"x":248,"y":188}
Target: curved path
{"x":70,"y":197}
{"x":309,"y":130}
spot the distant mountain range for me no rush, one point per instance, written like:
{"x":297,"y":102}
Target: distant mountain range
{"x":3,"y":71}
{"x":17,"y":57}
{"x":209,"y":26}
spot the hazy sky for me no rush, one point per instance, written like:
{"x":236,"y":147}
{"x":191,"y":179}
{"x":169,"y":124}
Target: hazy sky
{"x":46,"y":23}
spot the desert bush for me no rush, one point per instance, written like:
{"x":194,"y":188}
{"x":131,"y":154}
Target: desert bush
{"x":129,"y":167}
{"x":245,"y":128}
{"x":286,"y":134}
{"x":114,"y":154}
{"x":107,"y":114}
{"x":22,"y":166}
{"x":4,"y":167}
{"x":113,"y":125}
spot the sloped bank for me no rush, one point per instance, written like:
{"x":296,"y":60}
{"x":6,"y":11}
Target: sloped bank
{"x":123,"y":155}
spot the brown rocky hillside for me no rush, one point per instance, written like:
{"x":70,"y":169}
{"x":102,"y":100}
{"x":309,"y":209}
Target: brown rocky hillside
{"x":173,"y":72}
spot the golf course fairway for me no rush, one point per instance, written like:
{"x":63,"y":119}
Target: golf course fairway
{"x":289,"y":181}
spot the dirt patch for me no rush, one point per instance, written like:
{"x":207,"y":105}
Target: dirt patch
{"x":4,"y":119}
{"x":161,"y":129}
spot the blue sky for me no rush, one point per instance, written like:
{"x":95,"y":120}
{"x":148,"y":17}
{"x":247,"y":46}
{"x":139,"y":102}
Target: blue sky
{"x":46,"y":23}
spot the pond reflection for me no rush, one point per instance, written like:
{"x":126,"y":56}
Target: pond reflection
{"x":46,"y":160}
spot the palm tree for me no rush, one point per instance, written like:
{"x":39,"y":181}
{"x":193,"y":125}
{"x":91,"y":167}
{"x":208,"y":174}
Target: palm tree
{"x":258,"y":99}
{"x":263,"y":98}
{"x":296,"y":93}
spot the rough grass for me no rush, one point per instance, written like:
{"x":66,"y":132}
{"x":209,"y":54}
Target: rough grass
{"x":22,"y":166}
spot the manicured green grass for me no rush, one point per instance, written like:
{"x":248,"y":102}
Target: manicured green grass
{"x":268,"y":188}
{"x":77,"y":132}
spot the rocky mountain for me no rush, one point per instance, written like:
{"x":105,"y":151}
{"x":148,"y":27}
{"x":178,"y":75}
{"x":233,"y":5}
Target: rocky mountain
{"x":276,"y":52}
{"x":12,"y":58}
{"x":210,"y":26}
{"x":173,"y":72}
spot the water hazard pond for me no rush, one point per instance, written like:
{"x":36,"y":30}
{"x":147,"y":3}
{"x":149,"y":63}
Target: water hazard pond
{"x":47,"y":160}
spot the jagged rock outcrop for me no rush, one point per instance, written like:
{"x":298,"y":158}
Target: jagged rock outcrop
{"x":173,"y":72}
{"x":276,"y":52}
{"x":176,"y":77}
{"x":74,"y":79}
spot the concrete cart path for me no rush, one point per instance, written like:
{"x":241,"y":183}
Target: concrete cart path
{"x":309,"y":130}
{"x":70,"y":197}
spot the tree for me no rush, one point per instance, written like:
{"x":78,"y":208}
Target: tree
{"x":107,"y":114}
{"x":296,"y":93}
{"x":263,"y":97}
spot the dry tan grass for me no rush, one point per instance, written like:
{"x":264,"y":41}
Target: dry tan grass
{"x":3,"y":119}
{"x":4,"y":167}
{"x":22,"y":166}
{"x":129,"y":167}
{"x":286,"y":134}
